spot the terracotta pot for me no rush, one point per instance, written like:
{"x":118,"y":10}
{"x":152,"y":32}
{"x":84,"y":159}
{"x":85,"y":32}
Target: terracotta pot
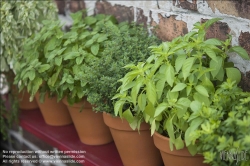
{"x":176,"y":157}
{"x":24,"y":102}
{"x":135,"y":149}
{"x":54,"y":113}
{"x":89,"y":125}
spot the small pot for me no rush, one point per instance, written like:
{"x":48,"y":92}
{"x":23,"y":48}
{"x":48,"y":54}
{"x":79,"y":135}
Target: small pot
{"x":54,"y":113}
{"x":89,"y":125}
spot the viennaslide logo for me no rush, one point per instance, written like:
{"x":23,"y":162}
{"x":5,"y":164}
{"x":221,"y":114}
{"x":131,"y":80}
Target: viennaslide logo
{"x":234,"y":155}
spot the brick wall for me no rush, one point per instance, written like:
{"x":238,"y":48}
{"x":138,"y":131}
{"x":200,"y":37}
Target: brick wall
{"x":176,"y":17}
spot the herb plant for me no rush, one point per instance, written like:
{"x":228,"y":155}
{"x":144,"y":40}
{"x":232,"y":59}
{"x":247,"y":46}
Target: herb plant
{"x":128,"y":43}
{"x":60,"y":58}
{"x":224,"y":135}
{"x":160,"y":91}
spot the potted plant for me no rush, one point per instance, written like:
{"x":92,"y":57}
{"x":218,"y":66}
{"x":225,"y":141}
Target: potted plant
{"x":83,"y":44}
{"x":223,"y":135}
{"x":35,"y":71}
{"x":128,"y":43}
{"x":19,"y":20}
{"x":188,"y":68}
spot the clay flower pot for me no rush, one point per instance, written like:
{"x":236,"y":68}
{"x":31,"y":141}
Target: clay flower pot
{"x":54,"y":113}
{"x":89,"y":125}
{"x":135,"y":148}
{"x":176,"y":157}
{"x":25,"y":103}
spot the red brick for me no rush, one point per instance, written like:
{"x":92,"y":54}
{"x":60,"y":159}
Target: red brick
{"x":184,"y":4}
{"x":218,"y":30}
{"x":169,"y":28}
{"x":61,"y":4}
{"x":75,"y":6}
{"x":121,"y":13}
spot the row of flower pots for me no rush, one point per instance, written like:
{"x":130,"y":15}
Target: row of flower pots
{"x":134,"y":147}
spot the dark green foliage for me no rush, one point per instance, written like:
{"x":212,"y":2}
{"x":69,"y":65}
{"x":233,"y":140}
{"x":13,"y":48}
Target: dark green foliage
{"x":127,"y":44}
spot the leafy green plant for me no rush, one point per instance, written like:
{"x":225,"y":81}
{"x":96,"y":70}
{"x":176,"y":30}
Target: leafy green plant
{"x":19,"y":20}
{"x":128,"y":43}
{"x":60,"y":58}
{"x":223,"y":137}
{"x":160,"y":91}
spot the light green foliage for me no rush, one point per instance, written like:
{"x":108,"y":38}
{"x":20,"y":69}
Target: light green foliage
{"x":19,"y":20}
{"x":55,"y":61}
{"x":128,"y":43}
{"x":225,"y":126}
{"x":178,"y":75}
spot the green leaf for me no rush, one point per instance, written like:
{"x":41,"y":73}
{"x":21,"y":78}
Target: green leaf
{"x":233,"y":74}
{"x":201,"y":98}
{"x":58,"y":61}
{"x":213,"y":41}
{"x":208,"y":84}
{"x":135,"y":90}
{"x":159,"y":87}
{"x":95,"y":48}
{"x":220,"y":75}
{"x":118,"y":107}
{"x":192,"y":149}
{"x":150,"y":110}
{"x":241,"y":51}
{"x":142,"y":101}
{"x":89,"y":43}
{"x":193,"y":126}
{"x":187,"y":66}
{"x":216,"y":65}
{"x":179,"y":62}
{"x":102,"y":38}
{"x":170,"y":130}
{"x":179,"y":143}
{"x":211,"y":54}
{"x":90,"y":20}
{"x":170,"y":74}
{"x":31,"y":75}
{"x":71,"y":55}
{"x":178,"y":87}
{"x":43,"y":68}
{"x":195,"y":106}
{"x":184,"y":102}
{"x":151,"y":91}
{"x":128,"y":116}
{"x":160,"y":108}
{"x":79,"y":60}
{"x":203,"y":91}
{"x":153,"y":127}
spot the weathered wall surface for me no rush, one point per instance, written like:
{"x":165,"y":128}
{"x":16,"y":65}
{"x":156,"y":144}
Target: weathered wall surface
{"x":176,"y":17}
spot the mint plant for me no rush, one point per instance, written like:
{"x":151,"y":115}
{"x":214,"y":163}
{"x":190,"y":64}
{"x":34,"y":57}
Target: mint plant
{"x":161,"y":89}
